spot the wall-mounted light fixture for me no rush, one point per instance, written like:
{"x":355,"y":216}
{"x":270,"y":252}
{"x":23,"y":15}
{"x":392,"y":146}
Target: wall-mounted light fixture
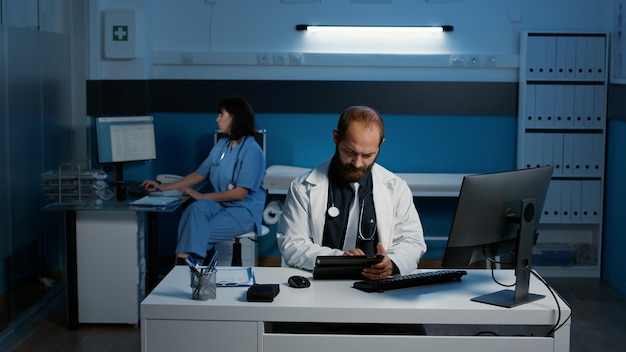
{"x":374,"y":29}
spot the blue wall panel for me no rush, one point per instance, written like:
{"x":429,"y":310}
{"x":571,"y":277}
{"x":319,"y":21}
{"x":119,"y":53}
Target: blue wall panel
{"x":438,"y":144}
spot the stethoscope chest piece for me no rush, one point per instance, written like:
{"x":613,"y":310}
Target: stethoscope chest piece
{"x":231,"y":186}
{"x":333,"y":211}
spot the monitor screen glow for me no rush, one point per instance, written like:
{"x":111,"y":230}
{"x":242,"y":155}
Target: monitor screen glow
{"x":127,"y":138}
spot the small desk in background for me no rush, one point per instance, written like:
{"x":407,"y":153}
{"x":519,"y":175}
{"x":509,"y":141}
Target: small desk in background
{"x":171,"y":320}
{"x":112,"y":254}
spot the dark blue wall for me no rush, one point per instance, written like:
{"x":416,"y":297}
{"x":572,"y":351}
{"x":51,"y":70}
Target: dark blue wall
{"x":614,"y":240}
{"x":430,"y":127}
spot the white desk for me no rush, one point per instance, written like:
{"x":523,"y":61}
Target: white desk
{"x":171,"y":320}
{"x":109,"y":268}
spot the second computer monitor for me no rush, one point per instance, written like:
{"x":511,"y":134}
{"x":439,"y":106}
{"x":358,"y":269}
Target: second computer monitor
{"x":498,"y":214}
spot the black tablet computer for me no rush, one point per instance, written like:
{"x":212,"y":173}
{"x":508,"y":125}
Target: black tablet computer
{"x":342,"y":267}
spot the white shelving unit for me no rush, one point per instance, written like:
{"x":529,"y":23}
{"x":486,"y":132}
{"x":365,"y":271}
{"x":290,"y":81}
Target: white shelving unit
{"x":562,"y":122}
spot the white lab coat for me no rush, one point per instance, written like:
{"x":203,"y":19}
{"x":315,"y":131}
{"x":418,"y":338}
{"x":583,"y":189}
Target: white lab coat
{"x":301,"y":226}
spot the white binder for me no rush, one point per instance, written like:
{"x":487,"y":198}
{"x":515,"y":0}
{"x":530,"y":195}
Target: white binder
{"x":550,"y":57}
{"x":575,"y":197}
{"x":578,"y":153}
{"x":552,"y":204}
{"x":581,"y":57}
{"x":599,"y":106}
{"x":540,"y":105}
{"x":591,"y":201}
{"x":535,"y":54}
{"x":570,"y":56}
{"x":561,"y":57}
{"x":569,"y":106}
{"x":559,"y":106}
{"x":589,"y":106}
{"x":579,"y":106}
{"x":548,"y":106}
{"x":568,"y":154}
{"x":566,"y":201}
{"x":530,"y":106}
{"x":557,"y":154}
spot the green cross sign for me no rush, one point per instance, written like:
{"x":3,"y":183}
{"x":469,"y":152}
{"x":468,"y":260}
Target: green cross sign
{"x":120,"y":33}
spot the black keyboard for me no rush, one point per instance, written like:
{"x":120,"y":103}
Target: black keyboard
{"x":410,"y":280}
{"x":135,"y":190}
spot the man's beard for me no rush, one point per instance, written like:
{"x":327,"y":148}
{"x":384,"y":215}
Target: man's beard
{"x":353,"y":174}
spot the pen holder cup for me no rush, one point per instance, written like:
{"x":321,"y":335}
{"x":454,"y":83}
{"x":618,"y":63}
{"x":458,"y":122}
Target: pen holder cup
{"x":204,"y":285}
{"x":194,"y":277}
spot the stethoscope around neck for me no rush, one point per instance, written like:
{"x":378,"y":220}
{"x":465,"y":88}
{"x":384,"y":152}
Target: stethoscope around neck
{"x":231,"y":185}
{"x":333,"y":212}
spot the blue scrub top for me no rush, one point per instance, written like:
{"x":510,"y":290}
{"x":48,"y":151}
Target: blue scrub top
{"x":243,"y":166}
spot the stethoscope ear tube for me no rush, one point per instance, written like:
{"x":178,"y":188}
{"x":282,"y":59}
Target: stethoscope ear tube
{"x":232,"y":185}
{"x":333,"y":212}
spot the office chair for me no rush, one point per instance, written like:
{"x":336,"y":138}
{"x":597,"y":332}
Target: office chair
{"x":237,"y":259}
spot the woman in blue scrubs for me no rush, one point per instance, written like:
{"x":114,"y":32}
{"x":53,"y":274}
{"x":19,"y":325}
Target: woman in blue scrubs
{"x":235,"y":169}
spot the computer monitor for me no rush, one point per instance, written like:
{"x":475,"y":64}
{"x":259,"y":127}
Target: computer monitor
{"x":123,"y":139}
{"x":498,"y":214}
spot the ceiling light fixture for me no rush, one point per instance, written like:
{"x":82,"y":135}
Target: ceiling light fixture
{"x":374,"y":29}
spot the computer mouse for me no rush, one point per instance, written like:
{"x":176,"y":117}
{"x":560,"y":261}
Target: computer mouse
{"x":298,"y":282}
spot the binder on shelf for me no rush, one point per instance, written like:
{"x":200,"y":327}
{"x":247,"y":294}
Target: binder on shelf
{"x":529,"y":139}
{"x":597,"y":162}
{"x":557,"y":154}
{"x":548,"y":149}
{"x":588,"y":158}
{"x":569,"y":106}
{"x":566,"y":201}
{"x":575,"y":208}
{"x":589,"y":106}
{"x":596,"y":57}
{"x":561,"y":57}
{"x":578,"y":140}
{"x":581,"y":57}
{"x":568,"y":154}
{"x":559,"y":106}
{"x":530,"y":106}
{"x":550,"y":57}
{"x":540,"y":103}
{"x":579,"y":106}
{"x":548,"y":106}
{"x":552,"y":204}
{"x":566,"y":51}
{"x":535,"y":44}
{"x":537,"y":149}
{"x":599,"y":106}
{"x":591,"y":203}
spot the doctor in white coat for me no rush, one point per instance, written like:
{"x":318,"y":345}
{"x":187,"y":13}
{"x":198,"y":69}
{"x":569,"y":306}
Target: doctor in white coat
{"x":316,"y":211}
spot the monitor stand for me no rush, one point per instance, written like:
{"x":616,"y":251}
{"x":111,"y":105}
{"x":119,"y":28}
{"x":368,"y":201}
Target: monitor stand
{"x":525,"y":242}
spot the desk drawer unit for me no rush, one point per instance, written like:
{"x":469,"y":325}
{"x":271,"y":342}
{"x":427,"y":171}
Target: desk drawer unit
{"x":194,"y":335}
{"x":110,"y":267}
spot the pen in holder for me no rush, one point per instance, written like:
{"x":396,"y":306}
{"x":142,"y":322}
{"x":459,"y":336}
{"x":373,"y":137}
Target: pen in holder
{"x":203,"y":284}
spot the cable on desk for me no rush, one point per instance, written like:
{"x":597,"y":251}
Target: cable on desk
{"x":558,"y":323}
{"x":554,"y":294}
{"x":494,"y":262}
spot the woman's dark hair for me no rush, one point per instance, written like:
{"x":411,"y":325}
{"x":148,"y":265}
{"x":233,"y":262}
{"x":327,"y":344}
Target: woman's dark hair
{"x":242,"y":114}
